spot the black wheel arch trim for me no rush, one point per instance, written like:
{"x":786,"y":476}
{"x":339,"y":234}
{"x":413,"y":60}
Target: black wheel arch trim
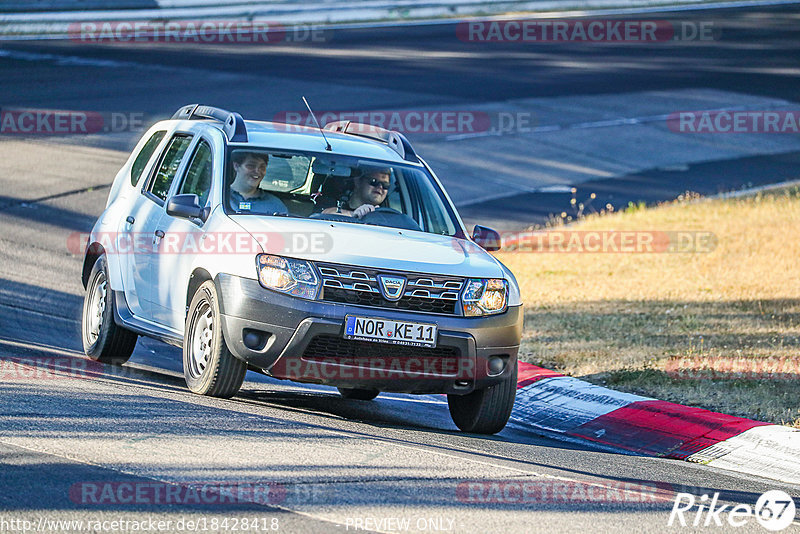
{"x":93,"y":252}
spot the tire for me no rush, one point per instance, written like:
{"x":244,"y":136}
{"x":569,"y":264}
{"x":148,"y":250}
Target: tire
{"x":358,"y":394}
{"x":208,"y":366}
{"x":485,"y":411}
{"x":104,"y":340}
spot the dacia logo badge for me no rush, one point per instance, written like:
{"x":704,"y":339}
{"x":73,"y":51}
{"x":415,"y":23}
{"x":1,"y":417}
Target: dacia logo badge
{"x":392,"y":286}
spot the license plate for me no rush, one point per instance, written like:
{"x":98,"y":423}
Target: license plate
{"x":388,"y":331}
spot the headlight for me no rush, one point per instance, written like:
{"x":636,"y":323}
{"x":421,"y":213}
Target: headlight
{"x":287,"y":275}
{"x":485,"y":297}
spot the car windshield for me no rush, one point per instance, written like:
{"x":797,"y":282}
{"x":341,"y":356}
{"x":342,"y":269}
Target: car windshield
{"x":336,"y":188}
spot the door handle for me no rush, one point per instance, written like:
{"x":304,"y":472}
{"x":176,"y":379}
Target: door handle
{"x":157,"y":235}
{"x":129,"y":219}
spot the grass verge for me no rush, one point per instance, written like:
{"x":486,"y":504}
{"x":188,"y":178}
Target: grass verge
{"x":717,"y":329}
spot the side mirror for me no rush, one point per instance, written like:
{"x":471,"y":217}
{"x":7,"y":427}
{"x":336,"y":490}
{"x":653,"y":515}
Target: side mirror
{"x":486,"y":237}
{"x":186,"y":207}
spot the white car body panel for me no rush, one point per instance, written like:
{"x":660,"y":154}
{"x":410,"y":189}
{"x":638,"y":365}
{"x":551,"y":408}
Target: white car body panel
{"x":372,"y":246}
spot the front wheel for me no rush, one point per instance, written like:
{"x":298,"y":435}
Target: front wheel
{"x":485,"y":411}
{"x":208,"y":366}
{"x":104,"y":340}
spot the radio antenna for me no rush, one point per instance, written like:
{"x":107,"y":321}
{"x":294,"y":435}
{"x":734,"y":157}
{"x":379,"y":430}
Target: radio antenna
{"x":327,"y":144}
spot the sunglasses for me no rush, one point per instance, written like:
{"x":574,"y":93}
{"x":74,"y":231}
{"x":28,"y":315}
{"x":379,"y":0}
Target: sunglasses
{"x":374,"y":182}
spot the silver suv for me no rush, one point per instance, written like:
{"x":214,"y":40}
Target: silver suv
{"x":330,"y":256}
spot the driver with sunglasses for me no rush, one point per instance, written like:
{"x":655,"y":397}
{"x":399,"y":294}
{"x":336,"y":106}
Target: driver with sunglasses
{"x":369,"y":192}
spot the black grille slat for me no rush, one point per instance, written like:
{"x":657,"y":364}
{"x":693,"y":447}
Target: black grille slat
{"x":375,"y":300}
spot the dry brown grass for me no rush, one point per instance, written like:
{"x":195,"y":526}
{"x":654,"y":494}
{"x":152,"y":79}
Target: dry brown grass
{"x":623,"y":319}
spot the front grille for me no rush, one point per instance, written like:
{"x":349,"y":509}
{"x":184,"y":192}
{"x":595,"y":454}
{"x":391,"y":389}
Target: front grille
{"x":328,"y":348}
{"x":423,"y":292}
{"x":375,"y":300}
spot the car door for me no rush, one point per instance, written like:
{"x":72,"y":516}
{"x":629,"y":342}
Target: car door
{"x":183,"y":240}
{"x":149,"y":209}
{"x":128,"y":235}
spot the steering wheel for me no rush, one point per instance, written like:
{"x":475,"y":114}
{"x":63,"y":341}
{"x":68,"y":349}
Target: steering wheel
{"x":390,"y":217}
{"x":382,"y":209}
{"x":336,"y":217}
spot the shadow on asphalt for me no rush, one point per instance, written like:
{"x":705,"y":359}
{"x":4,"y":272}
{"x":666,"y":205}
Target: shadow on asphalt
{"x":43,"y":212}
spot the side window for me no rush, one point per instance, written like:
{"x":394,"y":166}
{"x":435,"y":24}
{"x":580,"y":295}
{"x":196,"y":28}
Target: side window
{"x":198,"y":175}
{"x":169,"y":166}
{"x":144,"y":156}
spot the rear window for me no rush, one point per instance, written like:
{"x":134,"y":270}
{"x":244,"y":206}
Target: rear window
{"x":144,"y":156}
{"x":169,"y":166}
{"x":286,"y":172}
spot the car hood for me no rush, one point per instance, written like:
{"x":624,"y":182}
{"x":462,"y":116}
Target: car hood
{"x":370,"y":246}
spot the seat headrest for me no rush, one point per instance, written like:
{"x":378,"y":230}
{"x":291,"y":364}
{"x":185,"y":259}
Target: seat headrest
{"x":335,"y":187}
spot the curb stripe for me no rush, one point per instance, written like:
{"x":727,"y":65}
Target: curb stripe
{"x":577,"y":410}
{"x":563,"y":403}
{"x":659,"y":428}
{"x":528,"y":373}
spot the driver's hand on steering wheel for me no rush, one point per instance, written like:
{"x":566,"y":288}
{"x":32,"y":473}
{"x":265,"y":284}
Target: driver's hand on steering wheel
{"x":362,"y":210}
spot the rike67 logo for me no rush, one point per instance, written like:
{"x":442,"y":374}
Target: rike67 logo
{"x":774,"y":510}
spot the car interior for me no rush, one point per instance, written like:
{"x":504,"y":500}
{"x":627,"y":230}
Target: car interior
{"x":308,"y":184}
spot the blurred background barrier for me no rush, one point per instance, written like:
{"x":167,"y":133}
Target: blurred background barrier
{"x":11,"y":6}
{"x":40,"y":18}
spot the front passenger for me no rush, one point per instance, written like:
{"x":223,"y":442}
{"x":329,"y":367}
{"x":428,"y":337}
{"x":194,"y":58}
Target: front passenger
{"x":246,"y":196}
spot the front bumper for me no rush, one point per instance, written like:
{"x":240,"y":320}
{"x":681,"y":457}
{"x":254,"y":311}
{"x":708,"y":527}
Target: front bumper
{"x":302,"y":340}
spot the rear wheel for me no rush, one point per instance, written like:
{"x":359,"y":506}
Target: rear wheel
{"x":103,"y":340}
{"x":358,"y":394}
{"x":485,"y":411}
{"x":208,"y":366}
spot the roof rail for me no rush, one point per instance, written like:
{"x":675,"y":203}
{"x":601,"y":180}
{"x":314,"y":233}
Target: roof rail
{"x":394,"y":139}
{"x":233,"y":123}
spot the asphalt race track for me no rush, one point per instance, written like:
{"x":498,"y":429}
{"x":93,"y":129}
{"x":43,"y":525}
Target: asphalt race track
{"x":307,"y":458}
